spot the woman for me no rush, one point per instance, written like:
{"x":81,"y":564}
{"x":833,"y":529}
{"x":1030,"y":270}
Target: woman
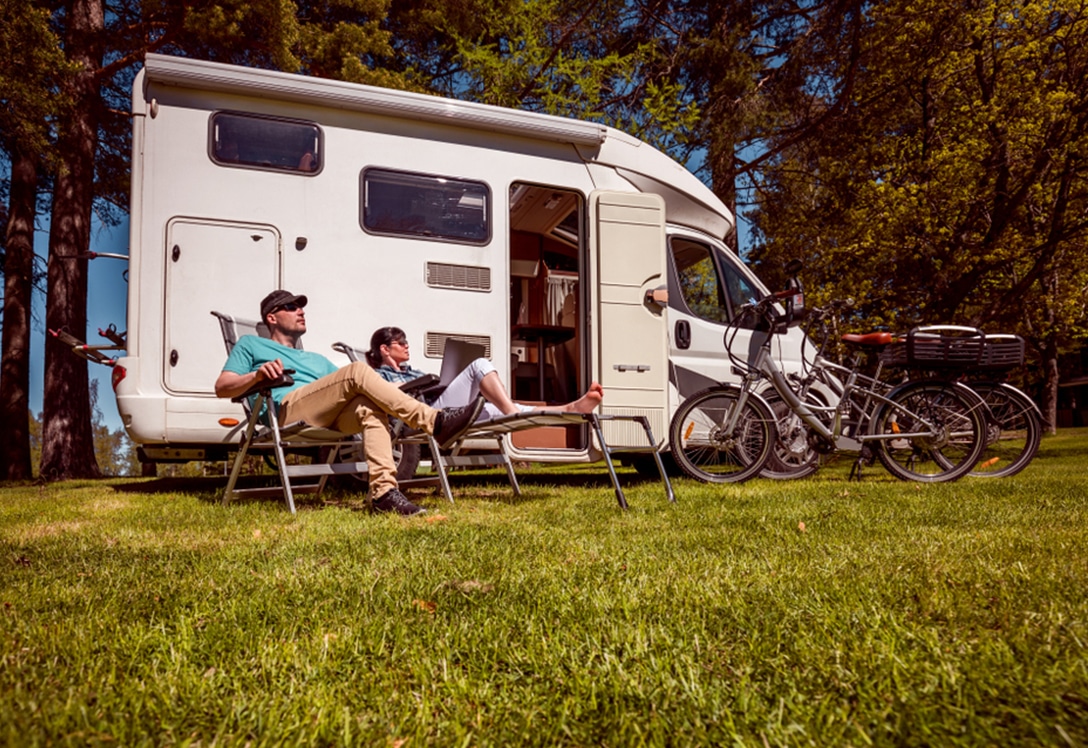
{"x":389,"y":355}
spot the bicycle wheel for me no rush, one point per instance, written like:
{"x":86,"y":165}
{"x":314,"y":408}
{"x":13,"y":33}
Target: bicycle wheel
{"x":792,"y":456}
{"x":1013,"y":430}
{"x":942,"y":432}
{"x":705,"y":447}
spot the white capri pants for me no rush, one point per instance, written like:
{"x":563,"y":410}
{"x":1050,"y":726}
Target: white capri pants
{"x":465,"y":388}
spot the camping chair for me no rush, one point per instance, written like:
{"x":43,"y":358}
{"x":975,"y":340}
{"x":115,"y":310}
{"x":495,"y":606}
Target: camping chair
{"x":342,"y":451}
{"x":457,"y":354}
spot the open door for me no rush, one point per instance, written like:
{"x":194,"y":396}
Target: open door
{"x":627,"y":254}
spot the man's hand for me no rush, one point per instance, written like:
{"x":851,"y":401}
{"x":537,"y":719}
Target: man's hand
{"x":230,"y":384}
{"x":271,"y":370}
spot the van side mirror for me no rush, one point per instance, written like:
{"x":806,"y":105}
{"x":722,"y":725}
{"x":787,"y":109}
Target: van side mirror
{"x":657,"y":296}
{"x":795,"y":304}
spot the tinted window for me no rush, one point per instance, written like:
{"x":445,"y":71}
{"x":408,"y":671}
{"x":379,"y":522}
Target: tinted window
{"x":711,"y":287}
{"x":737,"y":287}
{"x":425,"y":206}
{"x":699,"y":283}
{"x":265,"y":143}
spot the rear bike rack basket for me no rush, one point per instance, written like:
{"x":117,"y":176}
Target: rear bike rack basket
{"x":937,"y":347}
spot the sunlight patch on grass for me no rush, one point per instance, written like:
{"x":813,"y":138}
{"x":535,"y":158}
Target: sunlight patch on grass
{"x":30,"y":532}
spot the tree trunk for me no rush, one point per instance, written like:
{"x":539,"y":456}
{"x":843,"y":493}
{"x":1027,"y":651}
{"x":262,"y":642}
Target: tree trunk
{"x":18,"y":283}
{"x":723,"y":176}
{"x":67,"y":438}
{"x":1050,"y":386}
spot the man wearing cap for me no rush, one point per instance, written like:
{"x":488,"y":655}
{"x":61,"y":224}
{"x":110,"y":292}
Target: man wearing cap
{"x":351,"y":399}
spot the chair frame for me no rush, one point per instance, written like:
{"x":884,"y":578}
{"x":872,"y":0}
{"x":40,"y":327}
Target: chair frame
{"x":281,"y":439}
{"x":496,"y":429}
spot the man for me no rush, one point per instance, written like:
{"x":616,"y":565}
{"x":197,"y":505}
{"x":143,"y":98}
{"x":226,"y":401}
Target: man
{"x":352,"y":399}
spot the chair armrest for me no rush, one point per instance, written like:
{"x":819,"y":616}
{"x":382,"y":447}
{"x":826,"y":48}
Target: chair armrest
{"x":420,"y":386}
{"x":283,"y":380}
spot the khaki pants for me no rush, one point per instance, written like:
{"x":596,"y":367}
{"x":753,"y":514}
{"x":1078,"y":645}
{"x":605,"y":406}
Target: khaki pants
{"x":357,"y":400}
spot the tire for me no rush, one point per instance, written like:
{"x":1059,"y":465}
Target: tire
{"x":792,"y":456}
{"x":646,"y":466}
{"x":1013,"y":431}
{"x":705,"y":452}
{"x":408,"y":461}
{"x":947,"y":452}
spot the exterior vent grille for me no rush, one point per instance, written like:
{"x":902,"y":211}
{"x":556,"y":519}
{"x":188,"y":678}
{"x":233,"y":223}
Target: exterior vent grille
{"x":628,"y":434}
{"x":435,"y":343}
{"x":465,"y":277}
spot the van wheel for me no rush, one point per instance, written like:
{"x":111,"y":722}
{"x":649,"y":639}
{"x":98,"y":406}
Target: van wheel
{"x":407,"y":461}
{"x":646,"y":466}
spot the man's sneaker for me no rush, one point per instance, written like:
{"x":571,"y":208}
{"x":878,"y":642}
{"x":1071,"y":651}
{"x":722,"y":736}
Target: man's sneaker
{"x":394,"y":501}
{"x":452,"y":422}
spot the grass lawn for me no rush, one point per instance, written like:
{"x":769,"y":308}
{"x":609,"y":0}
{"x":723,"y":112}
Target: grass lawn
{"x":815,"y":612}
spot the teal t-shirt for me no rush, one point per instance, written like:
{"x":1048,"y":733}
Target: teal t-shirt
{"x":251,"y":352}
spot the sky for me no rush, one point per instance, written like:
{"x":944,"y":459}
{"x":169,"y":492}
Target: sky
{"x":107,"y":294}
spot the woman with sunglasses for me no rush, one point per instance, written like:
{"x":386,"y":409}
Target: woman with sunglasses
{"x":389,"y":356}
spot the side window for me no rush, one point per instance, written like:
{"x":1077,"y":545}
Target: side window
{"x":737,"y":288}
{"x":711,"y":285}
{"x":252,"y":141}
{"x":419,"y":205}
{"x":699,"y":282}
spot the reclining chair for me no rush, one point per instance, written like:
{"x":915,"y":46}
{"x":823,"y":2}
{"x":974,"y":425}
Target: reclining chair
{"x":456,"y":356}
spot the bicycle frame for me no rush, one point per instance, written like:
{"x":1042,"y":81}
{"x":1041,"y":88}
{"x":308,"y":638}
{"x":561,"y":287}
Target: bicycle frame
{"x":923,"y":430}
{"x":809,"y":412}
{"x":764,"y":367}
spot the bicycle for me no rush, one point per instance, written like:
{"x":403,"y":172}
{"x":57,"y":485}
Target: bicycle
{"x":923,"y":430}
{"x":1014,"y":430}
{"x":1014,"y":422}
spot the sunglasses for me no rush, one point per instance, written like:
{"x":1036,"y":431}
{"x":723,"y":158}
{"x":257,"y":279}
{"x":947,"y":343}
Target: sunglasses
{"x":292,"y":307}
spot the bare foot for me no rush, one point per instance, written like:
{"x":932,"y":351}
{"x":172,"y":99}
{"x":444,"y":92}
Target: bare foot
{"x":588,"y":402}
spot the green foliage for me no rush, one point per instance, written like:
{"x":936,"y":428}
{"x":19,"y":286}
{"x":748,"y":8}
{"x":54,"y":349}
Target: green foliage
{"x":31,"y":68}
{"x":553,"y":56}
{"x":114,"y":452}
{"x":819,"y":612}
{"x":341,"y":39}
{"x":947,"y":181}
{"x":35,"y":441}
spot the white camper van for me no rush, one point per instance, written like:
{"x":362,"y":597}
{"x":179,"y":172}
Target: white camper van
{"x":544,"y":239}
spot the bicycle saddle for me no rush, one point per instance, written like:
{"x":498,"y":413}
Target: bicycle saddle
{"x":873,"y":339}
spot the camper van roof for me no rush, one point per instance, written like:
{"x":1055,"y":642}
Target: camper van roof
{"x":688,"y":201}
{"x":213,"y":76}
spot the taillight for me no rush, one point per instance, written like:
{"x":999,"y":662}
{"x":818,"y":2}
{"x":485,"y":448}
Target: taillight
{"x":117,"y":375}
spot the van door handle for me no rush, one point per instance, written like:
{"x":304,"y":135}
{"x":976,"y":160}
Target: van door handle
{"x":683,"y":334}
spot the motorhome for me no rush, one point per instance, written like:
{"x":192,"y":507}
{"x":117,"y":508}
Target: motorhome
{"x":571,"y":251}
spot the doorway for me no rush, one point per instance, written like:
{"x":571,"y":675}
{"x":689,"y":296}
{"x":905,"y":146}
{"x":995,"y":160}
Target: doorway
{"x":546,"y":297}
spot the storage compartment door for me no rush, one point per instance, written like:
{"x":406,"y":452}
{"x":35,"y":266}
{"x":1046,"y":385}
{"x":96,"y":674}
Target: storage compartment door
{"x":211,"y":265}
{"x":627,"y":247}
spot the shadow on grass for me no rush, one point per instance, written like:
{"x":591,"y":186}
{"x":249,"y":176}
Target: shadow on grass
{"x":493,"y":483}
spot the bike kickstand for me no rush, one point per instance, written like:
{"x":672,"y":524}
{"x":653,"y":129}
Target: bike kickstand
{"x":855,"y":470}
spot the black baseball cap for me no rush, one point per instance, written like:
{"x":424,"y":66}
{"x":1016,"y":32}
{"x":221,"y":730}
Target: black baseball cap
{"x":279,"y":298}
